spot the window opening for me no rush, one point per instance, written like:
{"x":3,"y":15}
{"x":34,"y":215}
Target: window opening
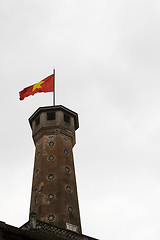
{"x":51,"y":116}
{"x":66,"y":118}
{"x":37,"y":121}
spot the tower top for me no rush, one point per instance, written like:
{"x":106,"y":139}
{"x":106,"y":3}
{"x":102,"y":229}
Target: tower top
{"x":65,"y":110}
{"x":52,"y":117}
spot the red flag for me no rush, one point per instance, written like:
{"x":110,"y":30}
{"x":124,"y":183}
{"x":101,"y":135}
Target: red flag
{"x":45,"y":85}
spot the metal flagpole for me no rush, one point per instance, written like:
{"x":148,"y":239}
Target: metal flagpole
{"x":54,"y":79}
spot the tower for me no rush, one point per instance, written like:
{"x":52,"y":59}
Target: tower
{"x":54,"y":193}
{"x":54,"y":210}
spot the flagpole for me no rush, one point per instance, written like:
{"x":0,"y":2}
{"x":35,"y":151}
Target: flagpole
{"x":54,"y":79}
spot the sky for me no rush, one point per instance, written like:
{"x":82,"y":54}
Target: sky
{"x":107,"y":57}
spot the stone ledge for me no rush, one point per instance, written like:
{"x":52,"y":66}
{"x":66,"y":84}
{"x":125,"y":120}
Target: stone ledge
{"x":65,"y":234}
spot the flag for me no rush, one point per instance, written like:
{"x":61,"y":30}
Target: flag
{"x":45,"y":85}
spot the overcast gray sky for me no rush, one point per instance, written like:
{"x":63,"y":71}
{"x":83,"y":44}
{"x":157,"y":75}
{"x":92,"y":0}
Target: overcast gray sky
{"x":107,"y":58}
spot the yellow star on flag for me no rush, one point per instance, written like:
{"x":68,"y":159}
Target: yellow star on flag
{"x":37,"y":85}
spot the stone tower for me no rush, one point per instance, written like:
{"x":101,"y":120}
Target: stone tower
{"x":54,"y":193}
{"x":54,"y":210}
